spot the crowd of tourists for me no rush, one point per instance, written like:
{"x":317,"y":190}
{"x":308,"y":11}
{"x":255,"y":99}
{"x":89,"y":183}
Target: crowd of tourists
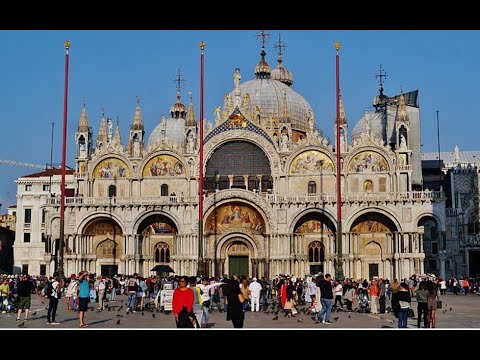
{"x":195,"y":297}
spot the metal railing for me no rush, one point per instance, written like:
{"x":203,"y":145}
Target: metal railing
{"x":272,"y":198}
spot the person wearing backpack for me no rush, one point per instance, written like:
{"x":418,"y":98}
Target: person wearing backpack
{"x":53,"y":291}
{"x":132,"y":285}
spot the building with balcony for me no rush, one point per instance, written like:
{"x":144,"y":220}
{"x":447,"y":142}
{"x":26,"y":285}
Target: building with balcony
{"x":458,"y":251}
{"x":31,"y":251}
{"x":269,"y":191}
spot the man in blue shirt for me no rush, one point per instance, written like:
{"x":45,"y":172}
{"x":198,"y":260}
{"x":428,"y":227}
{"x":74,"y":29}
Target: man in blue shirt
{"x":83,"y":296}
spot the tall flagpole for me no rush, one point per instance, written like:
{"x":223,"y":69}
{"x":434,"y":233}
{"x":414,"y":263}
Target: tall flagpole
{"x":339,"y":269}
{"x":200,"y":265}
{"x":64,"y":156}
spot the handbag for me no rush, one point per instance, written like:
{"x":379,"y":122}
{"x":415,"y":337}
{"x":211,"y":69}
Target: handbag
{"x":411,"y":313}
{"x":439,"y":304}
{"x":294,"y":311}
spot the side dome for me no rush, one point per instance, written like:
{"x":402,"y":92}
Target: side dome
{"x":283,"y":75}
{"x":372,"y":123}
{"x":268,"y":95}
{"x":174,"y":130}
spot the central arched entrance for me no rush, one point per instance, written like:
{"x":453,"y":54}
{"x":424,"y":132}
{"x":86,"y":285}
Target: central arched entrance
{"x":238,"y":258}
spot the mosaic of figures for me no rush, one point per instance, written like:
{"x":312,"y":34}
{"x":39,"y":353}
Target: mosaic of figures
{"x":373,"y":223}
{"x":235,"y":217}
{"x":163,"y":165}
{"x":368,"y":161}
{"x":159,"y":228}
{"x":111,"y":168}
{"x":310,"y":162}
{"x":103,"y":227}
{"x":313,"y":226}
{"x":107,"y":249}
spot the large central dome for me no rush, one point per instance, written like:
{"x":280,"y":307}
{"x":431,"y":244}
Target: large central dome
{"x":269,"y":95}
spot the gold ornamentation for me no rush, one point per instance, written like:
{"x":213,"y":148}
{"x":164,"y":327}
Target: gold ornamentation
{"x":163,"y":165}
{"x":310,"y":162}
{"x":235,"y":217}
{"x":368,"y":161}
{"x":111,"y":168}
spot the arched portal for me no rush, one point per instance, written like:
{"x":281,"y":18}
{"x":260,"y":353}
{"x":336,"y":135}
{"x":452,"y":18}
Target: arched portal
{"x":315,"y":233}
{"x":104,"y":238}
{"x":373,"y":242}
{"x":238,"y":256}
{"x":432,"y":243}
{"x":156,"y":238}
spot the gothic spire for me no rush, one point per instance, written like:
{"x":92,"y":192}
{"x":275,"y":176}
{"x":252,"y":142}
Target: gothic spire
{"x":83,"y":123}
{"x":117,"y":140}
{"x":102,"y":137}
{"x":343,"y":117}
{"x":137,"y":119}
{"x":402,"y":109}
{"x":191,"y":113}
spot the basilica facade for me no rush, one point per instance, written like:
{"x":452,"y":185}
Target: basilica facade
{"x":269,"y":192}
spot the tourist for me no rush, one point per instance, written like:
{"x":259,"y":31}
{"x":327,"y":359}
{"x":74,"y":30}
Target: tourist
{"x":182,"y":303}
{"x":83,"y":296}
{"x":24,"y":293}
{"x":404,"y":299}
{"x":54,"y":296}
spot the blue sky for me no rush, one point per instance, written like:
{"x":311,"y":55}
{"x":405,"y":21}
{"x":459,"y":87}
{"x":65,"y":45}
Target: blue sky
{"x":110,"y":68}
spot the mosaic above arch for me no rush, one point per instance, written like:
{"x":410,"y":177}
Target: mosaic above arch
{"x":102,"y":227}
{"x":163,"y":165}
{"x":313,"y":227}
{"x":159,"y":228}
{"x":368,"y":161}
{"x":373,"y":223}
{"x":111,"y":168}
{"x":233,"y":217}
{"x":311,"y":162}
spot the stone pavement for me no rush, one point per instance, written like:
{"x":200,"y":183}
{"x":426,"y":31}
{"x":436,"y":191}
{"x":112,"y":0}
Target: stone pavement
{"x":463,"y":314}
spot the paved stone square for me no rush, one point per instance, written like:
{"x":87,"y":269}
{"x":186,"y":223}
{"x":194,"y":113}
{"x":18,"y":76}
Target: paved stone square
{"x":458,"y":312}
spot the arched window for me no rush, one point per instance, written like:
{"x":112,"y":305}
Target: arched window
{"x":162,"y":253}
{"x":164,"y":190}
{"x":312,"y":187}
{"x":316,"y":256}
{"x":473,"y":225}
{"x":112,"y":191}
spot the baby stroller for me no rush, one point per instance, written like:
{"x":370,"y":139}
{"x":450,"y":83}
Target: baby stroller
{"x":9,"y":304}
{"x":363,"y":304}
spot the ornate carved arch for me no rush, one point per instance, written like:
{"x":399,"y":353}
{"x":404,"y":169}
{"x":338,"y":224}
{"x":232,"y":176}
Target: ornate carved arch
{"x":240,"y":195}
{"x":374,"y":209}
{"x":232,"y":135}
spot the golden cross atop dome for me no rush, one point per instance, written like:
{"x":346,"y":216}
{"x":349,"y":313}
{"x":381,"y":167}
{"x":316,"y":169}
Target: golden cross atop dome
{"x":381,"y":75}
{"x":179,"y":80}
{"x":280,"y":46}
{"x":264,"y":37}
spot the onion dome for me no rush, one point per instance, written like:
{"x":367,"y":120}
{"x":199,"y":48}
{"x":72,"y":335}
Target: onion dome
{"x":281,"y":74}
{"x":178,"y":110}
{"x":262,"y":70}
